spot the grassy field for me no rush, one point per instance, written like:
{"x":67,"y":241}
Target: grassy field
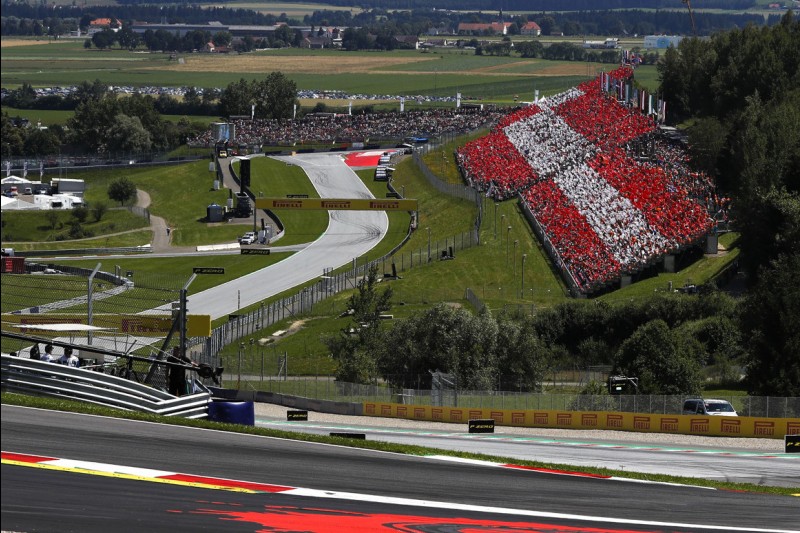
{"x":66,"y":62}
{"x":34,"y":226}
{"x":493,"y":270}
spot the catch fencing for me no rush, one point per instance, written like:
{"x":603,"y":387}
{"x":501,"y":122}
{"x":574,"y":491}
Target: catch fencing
{"x":325,"y":388}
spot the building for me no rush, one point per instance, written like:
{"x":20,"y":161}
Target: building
{"x":608,"y":44}
{"x":407,"y":41}
{"x":102,"y":24}
{"x":662,"y":41}
{"x":72,"y":187}
{"x":530,"y":28}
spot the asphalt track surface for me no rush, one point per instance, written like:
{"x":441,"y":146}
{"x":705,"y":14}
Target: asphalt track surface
{"x":730,"y":460}
{"x":135,"y":476}
{"x":350,"y":234}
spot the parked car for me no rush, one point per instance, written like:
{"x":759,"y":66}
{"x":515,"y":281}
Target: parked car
{"x":712,"y":407}
{"x":248,"y":238}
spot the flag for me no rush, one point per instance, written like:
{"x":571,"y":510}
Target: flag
{"x":458,"y":100}
{"x":41,"y":169}
{"x":402,"y":104}
{"x":252,"y":111}
{"x":25,"y":169}
{"x":294,"y":112}
{"x":350,"y":107}
{"x":8,"y":167}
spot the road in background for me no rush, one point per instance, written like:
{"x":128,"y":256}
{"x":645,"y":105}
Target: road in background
{"x":349,"y":235}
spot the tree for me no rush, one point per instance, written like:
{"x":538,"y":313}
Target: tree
{"x":13,"y":138}
{"x":275,"y":96}
{"x":222,"y":38}
{"x":41,"y":142}
{"x":80,"y":213}
{"x":547,"y":24}
{"x":52,"y":218}
{"x":121,"y":190}
{"x":522,"y":359}
{"x":356,"y":348}
{"x":236,"y":99}
{"x":446,"y":339}
{"x":126,"y":134}
{"x":98,"y":210}
{"x":104,"y":39}
{"x":664,"y":363}
{"x":707,"y":137}
{"x":769,"y":319}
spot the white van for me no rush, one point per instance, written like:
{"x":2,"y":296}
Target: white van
{"x":711,"y":407}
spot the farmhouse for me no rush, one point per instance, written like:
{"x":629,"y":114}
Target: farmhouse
{"x":530,"y":28}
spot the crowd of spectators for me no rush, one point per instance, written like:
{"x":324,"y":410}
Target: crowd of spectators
{"x":358,"y":127}
{"x":605,"y":212}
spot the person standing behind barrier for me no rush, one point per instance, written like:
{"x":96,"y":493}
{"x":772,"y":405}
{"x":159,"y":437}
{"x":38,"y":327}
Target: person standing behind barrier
{"x":47,"y":356}
{"x":177,"y":374}
{"x":68,"y":359}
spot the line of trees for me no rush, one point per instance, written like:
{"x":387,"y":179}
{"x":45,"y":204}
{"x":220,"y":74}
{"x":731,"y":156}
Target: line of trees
{"x":104,"y":122}
{"x":23,"y":19}
{"x":546,"y":5}
{"x":671,"y":342}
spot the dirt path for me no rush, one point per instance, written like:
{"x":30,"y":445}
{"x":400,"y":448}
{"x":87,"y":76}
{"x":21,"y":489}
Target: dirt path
{"x":162,"y":234}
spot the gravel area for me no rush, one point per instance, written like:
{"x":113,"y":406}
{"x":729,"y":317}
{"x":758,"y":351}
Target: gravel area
{"x":278,"y":412}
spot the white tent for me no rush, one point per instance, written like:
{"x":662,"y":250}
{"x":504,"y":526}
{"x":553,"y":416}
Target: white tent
{"x":15,"y":204}
{"x":14,"y":180}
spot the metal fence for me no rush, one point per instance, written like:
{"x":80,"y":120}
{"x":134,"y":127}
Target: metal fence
{"x":242,"y":325}
{"x":326,"y":388}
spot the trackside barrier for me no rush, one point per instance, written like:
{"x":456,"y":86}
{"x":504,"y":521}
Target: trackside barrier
{"x":40,"y":378}
{"x":716,"y":426}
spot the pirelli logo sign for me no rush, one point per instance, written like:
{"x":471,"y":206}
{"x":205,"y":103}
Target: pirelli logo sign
{"x":338,"y":204}
{"x":485,"y":425}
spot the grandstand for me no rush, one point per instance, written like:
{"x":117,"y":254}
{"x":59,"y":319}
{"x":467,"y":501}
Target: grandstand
{"x":605,"y":194}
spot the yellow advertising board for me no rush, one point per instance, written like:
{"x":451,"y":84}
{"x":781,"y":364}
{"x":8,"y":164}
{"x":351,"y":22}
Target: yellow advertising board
{"x":351,"y":204}
{"x":144,"y":325}
{"x":717,"y":426}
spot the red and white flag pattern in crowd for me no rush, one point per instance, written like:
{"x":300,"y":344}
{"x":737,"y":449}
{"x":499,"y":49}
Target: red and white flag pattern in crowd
{"x":604,"y":213}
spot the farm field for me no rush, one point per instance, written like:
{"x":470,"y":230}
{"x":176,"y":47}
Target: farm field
{"x":65,"y":63}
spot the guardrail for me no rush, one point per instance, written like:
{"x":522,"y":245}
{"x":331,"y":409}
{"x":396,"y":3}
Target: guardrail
{"x":40,"y":378}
